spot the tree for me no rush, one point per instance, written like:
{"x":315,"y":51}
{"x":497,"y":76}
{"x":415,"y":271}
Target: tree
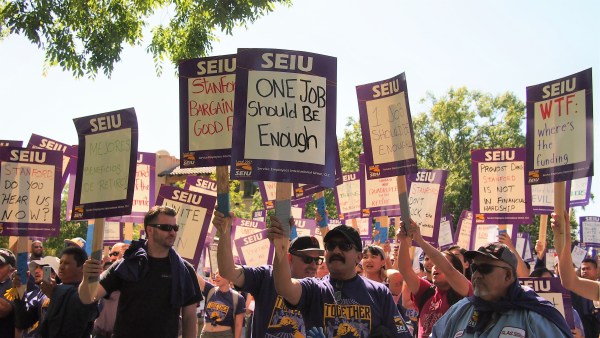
{"x":85,"y":37}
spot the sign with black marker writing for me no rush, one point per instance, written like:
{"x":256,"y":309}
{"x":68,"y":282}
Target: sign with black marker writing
{"x":284,"y":112}
{"x":425,"y":197}
{"x":30,"y":192}
{"x":206,"y":94}
{"x":106,"y":164}
{"x":348,"y":196}
{"x":41,"y":142}
{"x":560,"y":129}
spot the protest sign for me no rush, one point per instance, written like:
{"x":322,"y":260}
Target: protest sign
{"x":106,"y":160}
{"x":202,"y":185}
{"x":259,"y":215}
{"x":348,"y":196}
{"x":500,"y":195}
{"x":559,"y":136}
{"x":580,"y":191}
{"x":255,"y":249}
{"x":242,"y":228}
{"x":425,"y":197}
{"x":379,"y":197}
{"x":206,"y":94}
{"x":113,"y":232}
{"x":41,"y":142}
{"x":11,"y":143}
{"x":381,"y":229}
{"x":521,"y":243}
{"x":487,"y":233}
{"x":464,"y":229}
{"x":528,"y":255}
{"x":589,"y":231}
{"x":285,"y":104}
{"x":445,"y":237}
{"x":30,"y":192}
{"x":194,"y":212}
{"x":212,"y":258}
{"x":577,"y":255}
{"x":304,"y":190}
{"x":305,"y":227}
{"x":552,"y":290}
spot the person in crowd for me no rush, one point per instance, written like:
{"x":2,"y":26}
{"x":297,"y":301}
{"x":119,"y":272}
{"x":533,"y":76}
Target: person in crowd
{"x":448,"y":284}
{"x":31,"y":310}
{"x":272,"y":317}
{"x":343,"y":303}
{"x":224,"y":309}
{"x":373,"y":263}
{"x":500,"y":306}
{"x":460,"y":253}
{"x":585,"y":288}
{"x":522,"y":268}
{"x":156,"y":284}
{"x":77,"y":241}
{"x":117,"y":251}
{"x":66,"y":315}
{"x":541,"y":273}
{"x":7,"y":317}
{"x":37,"y":250}
{"x":427,"y":268}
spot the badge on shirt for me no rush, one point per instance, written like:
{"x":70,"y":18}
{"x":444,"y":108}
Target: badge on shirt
{"x":512,"y":332}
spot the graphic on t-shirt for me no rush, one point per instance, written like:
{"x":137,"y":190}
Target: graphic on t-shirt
{"x":216,"y":312}
{"x":347,"y":319}
{"x":285,"y":322}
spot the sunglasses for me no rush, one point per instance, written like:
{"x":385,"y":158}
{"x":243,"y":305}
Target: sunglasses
{"x":485,"y":268}
{"x":165,"y":227}
{"x":344,"y":246}
{"x":308,"y":259}
{"x":116,"y":253}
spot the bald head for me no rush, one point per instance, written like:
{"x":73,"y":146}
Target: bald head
{"x":117,"y":251}
{"x":37,"y":250}
{"x":395,"y":281}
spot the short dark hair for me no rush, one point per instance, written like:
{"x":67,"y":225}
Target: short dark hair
{"x":156,"y":210}
{"x":591,"y":261}
{"x":539,"y":272}
{"x":78,"y":254}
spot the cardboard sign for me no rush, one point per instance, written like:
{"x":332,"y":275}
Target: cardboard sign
{"x":41,"y":142}
{"x":500,"y":195}
{"x":259,"y":215}
{"x":589,"y":231}
{"x":255,"y":249}
{"x":560,"y":129}
{"x":445,"y":238}
{"x":464,"y":230}
{"x":206,"y":96}
{"x":426,"y":194}
{"x":386,"y":126}
{"x":107,"y":152}
{"x":487,"y":233}
{"x":30,"y":192}
{"x":285,"y":106}
{"x":551,"y":290}
{"x":379,"y":197}
{"x":580,"y":189}
{"x":194,"y":212}
{"x":348,"y":196}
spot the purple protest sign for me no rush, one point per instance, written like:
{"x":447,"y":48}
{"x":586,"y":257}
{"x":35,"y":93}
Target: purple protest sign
{"x":255,"y":249}
{"x":379,"y":197}
{"x":386,"y":125}
{"x":464,"y":230}
{"x":11,"y":143}
{"x":580,"y":189}
{"x":144,"y":194}
{"x":521,"y":243}
{"x":425,"y":197}
{"x":348,"y":196}
{"x":206,"y":94}
{"x":500,"y":195}
{"x":267,"y":193}
{"x":41,"y":142}
{"x":259,"y":215}
{"x":113,"y":232}
{"x":542,"y":197}
{"x":306,"y":227}
{"x":552,"y":290}
{"x":194,"y":212}
{"x":244,"y":227}
{"x":72,"y":178}
{"x":106,"y":167}
{"x":487,"y":233}
{"x":201,"y":184}
{"x":30,"y":191}
{"x":589,"y":233}
{"x":303,"y":190}
{"x":445,"y":237}
{"x":285,"y":106}
{"x":560,"y":129}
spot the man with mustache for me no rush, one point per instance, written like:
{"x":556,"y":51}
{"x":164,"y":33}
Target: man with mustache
{"x":341,"y":300}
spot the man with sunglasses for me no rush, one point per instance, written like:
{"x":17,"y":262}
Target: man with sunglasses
{"x":272,"y":318}
{"x":117,"y":251}
{"x":156,"y":284}
{"x":500,"y":306}
{"x":342,"y":303}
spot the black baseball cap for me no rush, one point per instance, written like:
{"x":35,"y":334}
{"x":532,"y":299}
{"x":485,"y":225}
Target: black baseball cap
{"x":348,"y":232}
{"x":305,"y":243}
{"x":496,"y":251}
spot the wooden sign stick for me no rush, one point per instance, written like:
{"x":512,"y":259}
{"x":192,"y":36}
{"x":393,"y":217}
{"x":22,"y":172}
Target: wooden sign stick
{"x":560,"y":209}
{"x":543,"y":228}
{"x":403,"y":198}
{"x":223,"y":190}
{"x":97,"y":244}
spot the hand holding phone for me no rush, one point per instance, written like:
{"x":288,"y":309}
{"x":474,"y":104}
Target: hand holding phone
{"x":47,"y":270}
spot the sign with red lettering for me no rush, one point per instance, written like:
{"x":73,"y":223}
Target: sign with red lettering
{"x":106,"y":167}
{"x":560,"y":140}
{"x":41,"y":142}
{"x":386,"y":125}
{"x":379,"y":196}
{"x":194,"y":212}
{"x":30,"y":192}
{"x":206,"y":94}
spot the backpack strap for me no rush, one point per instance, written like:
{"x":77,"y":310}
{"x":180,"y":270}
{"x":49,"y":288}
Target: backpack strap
{"x":235,"y":296}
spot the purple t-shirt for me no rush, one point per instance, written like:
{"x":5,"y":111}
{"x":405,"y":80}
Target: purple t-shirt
{"x":272,"y":318}
{"x":219,"y":307}
{"x":362,"y":306}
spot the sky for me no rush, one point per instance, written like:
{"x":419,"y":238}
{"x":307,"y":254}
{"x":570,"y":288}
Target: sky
{"x":492,"y":46}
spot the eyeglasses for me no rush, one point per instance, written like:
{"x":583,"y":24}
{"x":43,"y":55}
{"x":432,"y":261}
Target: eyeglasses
{"x":165,"y":227}
{"x":485,"y":268}
{"x":115,"y":254}
{"x":344,"y":246}
{"x":308,"y":259}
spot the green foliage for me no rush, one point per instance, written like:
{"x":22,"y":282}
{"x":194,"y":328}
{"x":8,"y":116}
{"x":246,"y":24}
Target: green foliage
{"x":85,"y":37}
{"x":350,"y":146}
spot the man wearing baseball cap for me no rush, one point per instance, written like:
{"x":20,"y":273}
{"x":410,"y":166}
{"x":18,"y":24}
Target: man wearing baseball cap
{"x":500,"y":306}
{"x":271,"y":316}
{"x":7,"y":318}
{"x":342,"y":303}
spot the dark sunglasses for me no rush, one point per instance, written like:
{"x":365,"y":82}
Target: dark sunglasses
{"x":116,"y":253}
{"x":344,"y":246}
{"x":485,"y":268}
{"x":165,"y":227}
{"x":308,"y":259}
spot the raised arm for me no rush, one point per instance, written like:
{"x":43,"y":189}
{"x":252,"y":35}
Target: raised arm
{"x":286,"y":286}
{"x":91,"y":268}
{"x":522,"y":270}
{"x":405,"y":263}
{"x":562,"y":239}
{"x":458,"y":282}
{"x":227,"y":267}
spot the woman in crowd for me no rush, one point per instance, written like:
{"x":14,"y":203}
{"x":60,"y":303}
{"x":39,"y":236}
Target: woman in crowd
{"x":224,"y":309}
{"x":373,"y":263}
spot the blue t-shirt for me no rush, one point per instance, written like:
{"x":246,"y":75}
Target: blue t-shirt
{"x":219,"y":308}
{"x":352,"y":308}
{"x":272,"y":318}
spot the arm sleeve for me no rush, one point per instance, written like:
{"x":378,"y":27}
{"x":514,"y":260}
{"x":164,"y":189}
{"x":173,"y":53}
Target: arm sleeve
{"x":253,"y":278}
{"x":241,"y":305}
{"x":25,"y":316}
{"x":110,"y":281}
